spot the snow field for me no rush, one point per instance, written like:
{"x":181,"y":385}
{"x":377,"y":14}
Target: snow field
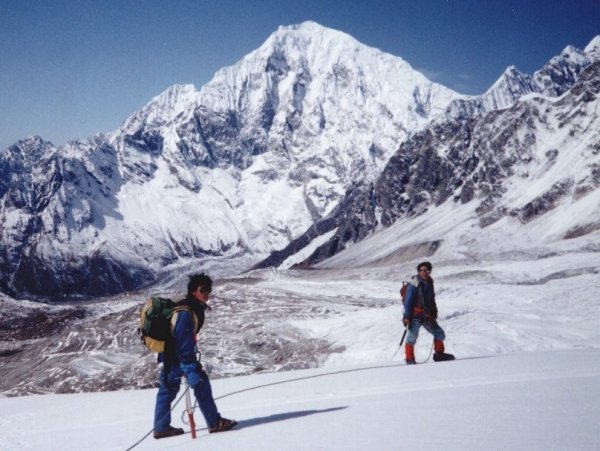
{"x":521,"y":401}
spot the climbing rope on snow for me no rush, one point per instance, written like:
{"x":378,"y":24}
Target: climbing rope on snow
{"x":400,"y":347}
{"x":286,"y":381}
{"x":429,"y":356}
{"x":152,"y":430}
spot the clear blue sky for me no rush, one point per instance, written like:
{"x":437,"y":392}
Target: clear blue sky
{"x":72,"y":68}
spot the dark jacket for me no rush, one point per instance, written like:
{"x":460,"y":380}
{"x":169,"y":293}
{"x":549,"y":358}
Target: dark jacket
{"x":420,"y":300}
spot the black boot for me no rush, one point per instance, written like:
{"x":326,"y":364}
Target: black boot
{"x":171,"y":432}
{"x":442,"y":356}
{"x":222,"y":425}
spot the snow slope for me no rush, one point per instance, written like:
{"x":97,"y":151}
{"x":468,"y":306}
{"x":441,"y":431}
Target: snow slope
{"x":521,"y":401}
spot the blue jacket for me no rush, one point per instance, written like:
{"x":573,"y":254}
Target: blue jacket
{"x":185,"y":337}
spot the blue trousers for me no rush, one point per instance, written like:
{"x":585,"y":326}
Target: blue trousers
{"x":170,"y":382}
{"x":430,"y":326}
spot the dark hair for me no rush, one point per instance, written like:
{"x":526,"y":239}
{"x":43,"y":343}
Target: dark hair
{"x":426,"y":264}
{"x":198,"y":280}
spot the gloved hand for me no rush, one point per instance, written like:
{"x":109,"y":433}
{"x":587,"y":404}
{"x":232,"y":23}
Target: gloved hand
{"x":406,"y":321}
{"x":192,"y":372}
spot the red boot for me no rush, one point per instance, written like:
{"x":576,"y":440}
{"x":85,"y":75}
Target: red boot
{"x":438,"y":346}
{"x":410,"y":354}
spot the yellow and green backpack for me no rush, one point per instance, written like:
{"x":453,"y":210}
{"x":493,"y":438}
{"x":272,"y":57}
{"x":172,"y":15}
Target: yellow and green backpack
{"x":155,"y":322}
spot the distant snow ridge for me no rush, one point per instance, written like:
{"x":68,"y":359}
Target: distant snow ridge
{"x":244,"y":166}
{"x":552,"y":80}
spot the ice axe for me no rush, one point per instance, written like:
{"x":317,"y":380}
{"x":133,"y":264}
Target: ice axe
{"x":190,"y":410}
{"x":403,"y":337}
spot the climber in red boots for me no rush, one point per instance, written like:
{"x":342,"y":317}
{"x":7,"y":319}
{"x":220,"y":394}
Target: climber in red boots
{"x":420,"y":309}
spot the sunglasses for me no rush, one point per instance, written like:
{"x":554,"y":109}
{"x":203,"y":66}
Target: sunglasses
{"x":428,"y":271}
{"x":205,"y":290}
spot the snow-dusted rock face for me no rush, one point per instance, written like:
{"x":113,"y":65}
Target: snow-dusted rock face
{"x":244,"y":165}
{"x":53,"y":210}
{"x":522,"y":162}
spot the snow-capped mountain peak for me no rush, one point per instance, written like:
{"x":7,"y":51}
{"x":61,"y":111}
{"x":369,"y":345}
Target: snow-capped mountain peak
{"x":592,"y":50}
{"x":317,"y":62}
{"x":243,"y":166}
{"x":33,"y":148}
{"x":511,"y":85}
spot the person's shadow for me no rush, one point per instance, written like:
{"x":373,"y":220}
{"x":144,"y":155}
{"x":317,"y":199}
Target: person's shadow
{"x":283,"y":416}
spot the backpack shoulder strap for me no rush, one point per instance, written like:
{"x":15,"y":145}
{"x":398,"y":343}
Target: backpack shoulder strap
{"x":178,"y":309}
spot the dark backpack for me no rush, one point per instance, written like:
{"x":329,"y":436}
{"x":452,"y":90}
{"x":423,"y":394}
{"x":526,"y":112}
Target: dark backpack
{"x":155,"y":322}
